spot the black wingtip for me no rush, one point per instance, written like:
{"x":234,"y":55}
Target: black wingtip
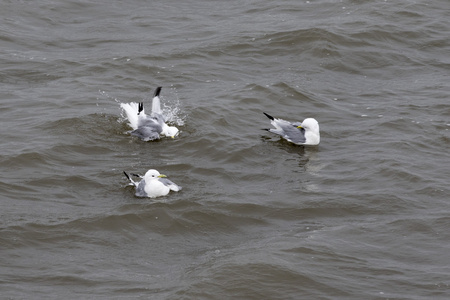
{"x":157,"y":91}
{"x":140,"y":107}
{"x":136,"y":175}
{"x":127,"y":175}
{"x":266,"y":129}
{"x":269,"y":116}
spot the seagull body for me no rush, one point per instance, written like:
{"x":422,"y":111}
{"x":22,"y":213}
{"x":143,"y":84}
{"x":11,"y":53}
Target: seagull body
{"x":299,"y":133}
{"x":148,"y":127}
{"x":153,"y":184}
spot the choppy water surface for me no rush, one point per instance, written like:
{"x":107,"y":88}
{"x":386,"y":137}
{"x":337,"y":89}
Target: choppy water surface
{"x":365,"y":215}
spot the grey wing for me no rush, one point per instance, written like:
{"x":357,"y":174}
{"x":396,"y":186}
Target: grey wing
{"x":151,"y":122}
{"x":146,"y":133}
{"x":140,"y":189}
{"x":294,"y":134}
{"x":158,"y":118}
{"x":289,"y":131}
{"x":170,"y":184}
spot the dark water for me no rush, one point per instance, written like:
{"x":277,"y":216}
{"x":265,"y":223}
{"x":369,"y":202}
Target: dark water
{"x":365,"y":215}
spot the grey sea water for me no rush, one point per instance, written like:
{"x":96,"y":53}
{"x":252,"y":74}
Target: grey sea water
{"x":364,"y":215}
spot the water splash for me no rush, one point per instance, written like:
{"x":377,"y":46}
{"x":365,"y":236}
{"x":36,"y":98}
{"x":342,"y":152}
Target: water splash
{"x":173,"y":114}
{"x":105,"y":94}
{"x":172,"y":110}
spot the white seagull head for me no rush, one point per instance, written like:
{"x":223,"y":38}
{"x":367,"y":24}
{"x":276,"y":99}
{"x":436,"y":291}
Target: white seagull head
{"x":312,"y":132}
{"x":152,"y":174}
{"x":170,"y":131}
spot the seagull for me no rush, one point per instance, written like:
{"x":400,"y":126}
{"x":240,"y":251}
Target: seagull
{"x":153,"y":184}
{"x":299,"y":133}
{"x":148,"y":128}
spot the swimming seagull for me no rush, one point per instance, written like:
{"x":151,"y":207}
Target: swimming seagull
{"x":153,"y":184}
{"x":148,"y":128}
{"x":299,"y":133}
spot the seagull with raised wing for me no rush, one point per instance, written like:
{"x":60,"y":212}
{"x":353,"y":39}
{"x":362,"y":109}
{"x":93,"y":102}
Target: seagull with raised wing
{"x":148,"y":127}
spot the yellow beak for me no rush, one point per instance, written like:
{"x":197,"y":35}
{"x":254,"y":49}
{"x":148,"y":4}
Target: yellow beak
{"x":162,"y":176}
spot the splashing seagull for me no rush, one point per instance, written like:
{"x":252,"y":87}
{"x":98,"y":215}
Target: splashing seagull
{"x":148,"y":128}
{"x":153,"y":184}
{"x":299,"y":133}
